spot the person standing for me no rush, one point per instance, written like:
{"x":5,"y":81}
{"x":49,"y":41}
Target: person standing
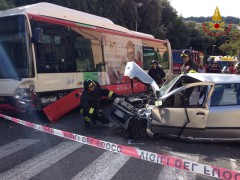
{"x":232,"y":69}
{"x":189,"y":66}
{"x":90,"y":103}
{"x":215,"y":68}
{"x":201,"y":69}
{"x":156,"y":72}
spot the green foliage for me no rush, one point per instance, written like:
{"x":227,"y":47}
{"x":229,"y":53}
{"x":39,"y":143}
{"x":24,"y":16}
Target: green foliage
{"x":5,"y":4}
{"x":232,"y":45}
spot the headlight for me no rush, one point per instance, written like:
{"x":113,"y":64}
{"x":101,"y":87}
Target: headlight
{"x":116,"y":100}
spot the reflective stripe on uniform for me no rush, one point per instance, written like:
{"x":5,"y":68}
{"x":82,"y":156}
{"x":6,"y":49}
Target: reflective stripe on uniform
{"x":192,"y":71}
{"x":110,"y":93}
{"x":81,"y":111}
{"x":91,"y":110}
{"x":87,"y":119}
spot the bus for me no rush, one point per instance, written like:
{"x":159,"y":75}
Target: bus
{"x":47,"y":51}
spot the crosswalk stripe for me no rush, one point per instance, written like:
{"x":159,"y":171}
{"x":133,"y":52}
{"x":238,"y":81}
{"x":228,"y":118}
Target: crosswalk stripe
{"x":15,"y":146}
{"x":176,"y":174}
{"x":32,"y":167}
{"x":104,"y":167}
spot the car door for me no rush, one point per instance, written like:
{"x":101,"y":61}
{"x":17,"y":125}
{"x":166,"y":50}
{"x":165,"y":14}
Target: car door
{"x":184,"y":107}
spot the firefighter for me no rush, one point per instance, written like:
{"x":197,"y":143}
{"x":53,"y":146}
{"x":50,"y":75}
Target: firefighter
{"x":156,"y":72}
{"x":90,"y":103}
{"x":189,"y":66}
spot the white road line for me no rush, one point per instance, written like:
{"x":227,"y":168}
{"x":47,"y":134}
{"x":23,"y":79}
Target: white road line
{"x":176,"y":174}
{"x":15,"y":146}
{"x":233,"y":164}
{"x":32,"y":167}
{"x":104,"y":167}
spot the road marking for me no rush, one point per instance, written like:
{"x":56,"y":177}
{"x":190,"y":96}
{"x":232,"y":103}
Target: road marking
{"x":171,"y":161}
{"x":233,"y":164}
{"x":15,"y":146}
{"x":32,"y":167}
{"x":176,"y":174}
{"x":104,"y":167}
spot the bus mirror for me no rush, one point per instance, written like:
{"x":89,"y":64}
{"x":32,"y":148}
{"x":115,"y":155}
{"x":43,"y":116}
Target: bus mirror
{"x":37,"y":35}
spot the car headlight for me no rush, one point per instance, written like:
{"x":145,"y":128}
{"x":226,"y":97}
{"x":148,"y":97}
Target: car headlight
{"x":116,"y":100}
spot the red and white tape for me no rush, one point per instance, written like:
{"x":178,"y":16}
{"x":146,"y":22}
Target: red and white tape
{"x":165,"y":160}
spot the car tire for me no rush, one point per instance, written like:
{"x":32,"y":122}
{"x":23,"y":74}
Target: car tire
{"x":138,"y":130}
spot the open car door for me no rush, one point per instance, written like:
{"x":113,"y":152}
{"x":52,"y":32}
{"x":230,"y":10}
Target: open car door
{"x":183,"y":110}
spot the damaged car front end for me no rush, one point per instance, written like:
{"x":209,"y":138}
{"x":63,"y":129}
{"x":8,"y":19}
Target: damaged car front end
{"x":194,"y":107}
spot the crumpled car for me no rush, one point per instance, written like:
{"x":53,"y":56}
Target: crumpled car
{"x":192,"y":107}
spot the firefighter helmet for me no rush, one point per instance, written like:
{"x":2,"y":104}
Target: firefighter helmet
{"x":88,"y":83}
{"x":186,"y":53}
{"x":154,"y":62}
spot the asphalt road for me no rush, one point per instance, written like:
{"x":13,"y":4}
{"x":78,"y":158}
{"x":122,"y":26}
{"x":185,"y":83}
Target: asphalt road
{"x":29,"y":154}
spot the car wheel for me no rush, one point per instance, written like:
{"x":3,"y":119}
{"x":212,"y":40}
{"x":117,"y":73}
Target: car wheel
{"x":138,"y":130}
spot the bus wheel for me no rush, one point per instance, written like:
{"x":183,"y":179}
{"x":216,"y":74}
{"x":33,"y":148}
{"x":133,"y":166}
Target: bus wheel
{"x":139,"y":129}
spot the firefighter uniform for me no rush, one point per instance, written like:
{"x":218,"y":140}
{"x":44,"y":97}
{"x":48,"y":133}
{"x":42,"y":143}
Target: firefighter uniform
{"x":189,"y":66}
{"x":90,"y":102}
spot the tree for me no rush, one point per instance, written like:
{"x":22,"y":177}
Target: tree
{"x":232,"y":45}
{"x":6,"y":4}
{"x":151,"y":17}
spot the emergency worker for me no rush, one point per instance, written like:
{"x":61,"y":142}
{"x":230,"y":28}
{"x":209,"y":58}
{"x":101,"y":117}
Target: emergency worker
{"x":156,"y":72}
{"x":90,"y":103}
{"x":189,"y":66}
{"x":215,"y":68}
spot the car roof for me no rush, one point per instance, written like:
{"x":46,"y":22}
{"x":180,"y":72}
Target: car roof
{"x":216,"y":78}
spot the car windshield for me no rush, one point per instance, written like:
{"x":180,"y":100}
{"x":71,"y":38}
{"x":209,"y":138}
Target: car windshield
{"x":13,"y":47}
{"x":224,"y":63}
{"x":168,"y":84}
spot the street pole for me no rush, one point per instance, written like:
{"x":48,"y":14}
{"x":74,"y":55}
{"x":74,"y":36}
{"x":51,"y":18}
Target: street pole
{"x":136,"y":14}
{"x":213,"y":49}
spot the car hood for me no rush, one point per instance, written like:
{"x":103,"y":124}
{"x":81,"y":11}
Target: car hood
{"x":133,"y":71}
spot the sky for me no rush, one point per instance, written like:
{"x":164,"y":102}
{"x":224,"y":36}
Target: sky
{"x":205,"y":8}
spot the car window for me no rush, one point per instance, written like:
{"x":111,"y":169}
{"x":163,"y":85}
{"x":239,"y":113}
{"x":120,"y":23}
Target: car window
{"x":226,"y":95}
{"x":190,"y":97}
{"x":170,"y":82}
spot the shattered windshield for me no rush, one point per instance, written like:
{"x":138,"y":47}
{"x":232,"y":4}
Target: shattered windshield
{"x":168,"y":84}
{"x":13,"y":47}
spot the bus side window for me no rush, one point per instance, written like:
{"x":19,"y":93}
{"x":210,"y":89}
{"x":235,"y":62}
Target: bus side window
{"x":84,"y":56}
{"x":148,"y":56}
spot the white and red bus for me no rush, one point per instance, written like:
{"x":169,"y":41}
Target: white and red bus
{"x":47,"y":51}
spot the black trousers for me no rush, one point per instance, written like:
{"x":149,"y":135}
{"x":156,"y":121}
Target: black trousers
{"x":96,"y":116}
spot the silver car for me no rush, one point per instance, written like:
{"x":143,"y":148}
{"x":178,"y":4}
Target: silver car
{"x":194,"y":106}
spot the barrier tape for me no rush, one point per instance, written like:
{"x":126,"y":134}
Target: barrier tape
{"x":165,"y":160}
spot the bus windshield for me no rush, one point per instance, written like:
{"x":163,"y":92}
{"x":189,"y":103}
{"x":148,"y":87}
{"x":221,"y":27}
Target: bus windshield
{"x":13,"y":48}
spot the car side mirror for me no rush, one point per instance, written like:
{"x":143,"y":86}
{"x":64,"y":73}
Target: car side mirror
{"x":37,"y":36}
